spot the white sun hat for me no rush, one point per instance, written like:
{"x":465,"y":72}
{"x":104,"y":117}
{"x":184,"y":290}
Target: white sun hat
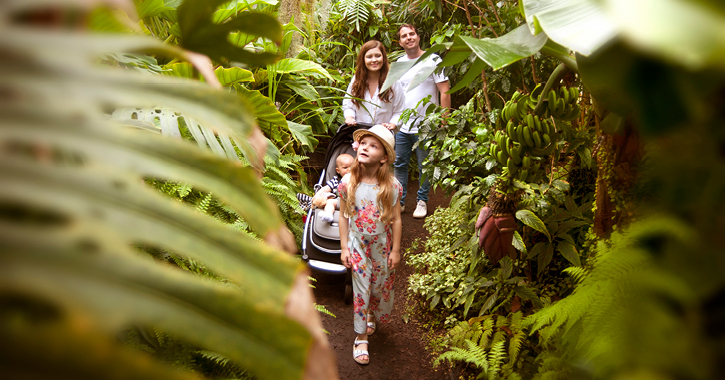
{"x":381,"y":133}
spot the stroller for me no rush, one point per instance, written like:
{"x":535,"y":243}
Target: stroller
{"x":320,"y":239}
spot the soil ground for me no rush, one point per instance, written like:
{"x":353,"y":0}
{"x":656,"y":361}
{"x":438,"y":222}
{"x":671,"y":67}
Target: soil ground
{"x":397,"y":350}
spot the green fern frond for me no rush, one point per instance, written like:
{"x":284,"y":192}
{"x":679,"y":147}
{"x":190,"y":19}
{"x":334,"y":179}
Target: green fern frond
{"x":471,"y":354}
{"x":496,"y":356}
{"x":487,"y":332}
{"x":203,"y":206}
{"x":515,"y":345}
{"x":323,"y":309}
{"x":576,"y":273}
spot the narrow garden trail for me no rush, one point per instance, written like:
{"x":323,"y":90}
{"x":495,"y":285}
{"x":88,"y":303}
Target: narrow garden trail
{"x":397,"y":350}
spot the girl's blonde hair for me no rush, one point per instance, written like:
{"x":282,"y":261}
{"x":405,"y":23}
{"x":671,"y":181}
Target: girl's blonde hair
{"x":385,"y":194}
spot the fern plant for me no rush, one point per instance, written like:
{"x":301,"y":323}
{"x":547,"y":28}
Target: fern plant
{"x":620,"y":299}
{"x":356,"y":11}
{"x":494,"y":344}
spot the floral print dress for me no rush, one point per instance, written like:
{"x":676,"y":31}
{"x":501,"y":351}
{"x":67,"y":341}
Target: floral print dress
{"x":370,"y":242}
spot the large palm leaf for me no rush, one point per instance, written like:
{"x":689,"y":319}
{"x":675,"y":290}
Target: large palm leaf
{"x":73,"y":204}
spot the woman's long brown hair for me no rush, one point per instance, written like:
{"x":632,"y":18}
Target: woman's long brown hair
{"x":360,"y":84}
{"x":385,"y":194}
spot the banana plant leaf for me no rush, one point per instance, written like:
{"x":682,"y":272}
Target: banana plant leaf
{"x":507,"y":49}
{"x":580,"y":25}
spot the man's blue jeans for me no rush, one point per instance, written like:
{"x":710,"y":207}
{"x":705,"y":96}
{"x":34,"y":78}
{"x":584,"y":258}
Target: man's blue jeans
{"x":403,"y":149}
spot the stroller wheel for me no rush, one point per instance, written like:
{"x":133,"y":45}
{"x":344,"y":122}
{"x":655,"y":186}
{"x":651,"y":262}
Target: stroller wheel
{"x":348,"y":294}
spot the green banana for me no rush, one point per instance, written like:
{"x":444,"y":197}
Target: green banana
{"x":511,"y":166}
{"x":546,"y":126}
{"x":527,"y":137}
{"x":492,"y":150}
{"x":515,"y":97}
{"x":510,"y":129}
{"x":573,"y":94}
{"x":520,"y":133}
{"x":546,"y":140}
{"x":530,"y":122}
{"x":515,"y":153}
{"x":537,"y":124}
{"x":523,"y":173}
{"x":564,"y":94}
{"x":560,"y":104}
{"x":521,"y":111}
{"x":537,"y":139}
{"x":543,"y":152}
{"x":526,"y":162}
{"x":552,"y":102}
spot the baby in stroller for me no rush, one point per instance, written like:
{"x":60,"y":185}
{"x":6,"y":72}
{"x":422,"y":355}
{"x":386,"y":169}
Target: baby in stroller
{"x":326,"y":197}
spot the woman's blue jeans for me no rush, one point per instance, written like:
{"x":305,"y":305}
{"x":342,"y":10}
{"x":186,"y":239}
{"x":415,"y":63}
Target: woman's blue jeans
{"x":403,"y":149}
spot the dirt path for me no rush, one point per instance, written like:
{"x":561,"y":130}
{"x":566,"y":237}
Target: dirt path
{"x":397,"y":350}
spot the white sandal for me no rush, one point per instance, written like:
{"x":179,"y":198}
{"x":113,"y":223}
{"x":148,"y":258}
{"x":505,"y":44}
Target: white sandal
{"x":358,"y":353}
{"x":371,"y":325}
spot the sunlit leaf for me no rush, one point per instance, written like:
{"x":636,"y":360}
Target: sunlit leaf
{"x":530,"y":219}
{"x":229,"y":76}
{"x":580,"y":25}
{"x":507,"y":49}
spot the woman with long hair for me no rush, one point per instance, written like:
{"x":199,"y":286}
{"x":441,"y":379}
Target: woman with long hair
{"x":368,"y":104}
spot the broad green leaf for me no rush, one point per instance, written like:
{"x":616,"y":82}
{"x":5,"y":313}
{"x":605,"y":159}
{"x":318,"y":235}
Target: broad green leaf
{"x":299,"y":66}
{"x":490,"y":301}
{"x":398,"y":69}
{"x":151,"y":8}
{"x":530,"y":219}
{"x":580,"y":25}
{"x":518,"y":243}
{"x":527,"y":294}
{"x":469,"y":301}
{"x":303,"y":134}
{"x":301,"y":87}
{"x":457,"y":53}
{"x":697,"y":41}
{"x":612,"y":124}
{"x":264,"y":109}
{"x":545,"y":258}
{"x":473,"y":72}
{"x":229,"y":76}
{"x":537,"y":250}
{"x":181,"y":70}
{"x":569,"y":252}
{"x":507,"y":49}
{"x":200,"y":34}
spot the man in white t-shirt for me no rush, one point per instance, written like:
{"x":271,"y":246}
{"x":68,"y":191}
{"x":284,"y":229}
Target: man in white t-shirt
{"x":435,"y":86}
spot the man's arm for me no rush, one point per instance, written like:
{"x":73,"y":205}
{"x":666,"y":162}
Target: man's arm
{"x":443,"y":88}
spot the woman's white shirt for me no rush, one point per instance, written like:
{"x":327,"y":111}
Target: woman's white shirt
{"x":373,"y":106}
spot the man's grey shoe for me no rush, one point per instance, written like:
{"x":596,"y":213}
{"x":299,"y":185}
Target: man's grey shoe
{"x":421,"y":210}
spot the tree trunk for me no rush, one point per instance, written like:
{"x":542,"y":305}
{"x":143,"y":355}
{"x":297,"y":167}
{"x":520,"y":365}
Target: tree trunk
{"x":618,"y":158}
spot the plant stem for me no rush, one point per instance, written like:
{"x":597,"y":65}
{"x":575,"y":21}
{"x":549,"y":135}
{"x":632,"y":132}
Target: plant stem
{"x":554,"y":78}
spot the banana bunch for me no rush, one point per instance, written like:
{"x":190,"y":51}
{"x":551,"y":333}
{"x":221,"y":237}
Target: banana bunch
{"x":515,"y":155}
{"x":518,"y":107}
{"x":564,"y":104}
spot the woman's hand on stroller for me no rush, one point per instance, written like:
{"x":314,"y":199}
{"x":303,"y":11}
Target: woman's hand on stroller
{"x":345,"y":257}
{"x":350,"y":120}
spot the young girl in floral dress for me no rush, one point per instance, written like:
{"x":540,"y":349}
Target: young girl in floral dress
{"x":370,"y":231}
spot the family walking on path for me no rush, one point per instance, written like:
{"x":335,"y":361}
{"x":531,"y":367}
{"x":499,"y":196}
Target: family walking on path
{"x":371,"y":196}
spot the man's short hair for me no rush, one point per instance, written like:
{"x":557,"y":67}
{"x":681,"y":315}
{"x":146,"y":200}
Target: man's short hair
{"x":407,"y":26}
